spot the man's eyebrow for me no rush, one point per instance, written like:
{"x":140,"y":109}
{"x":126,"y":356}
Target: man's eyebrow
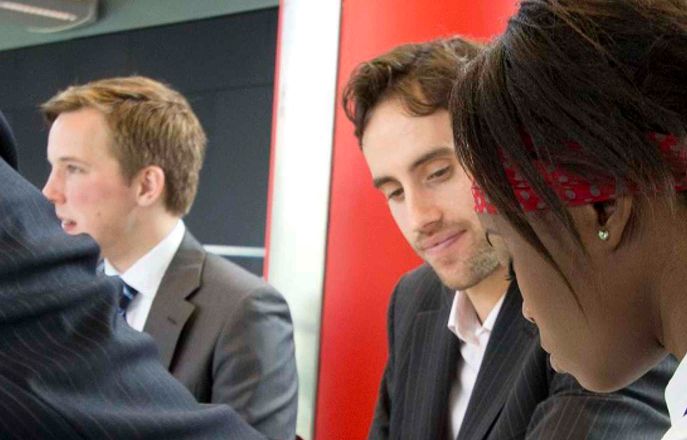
{"x":431,"y":155}
{"x":70,"y":159}
{"x":380,"y":181}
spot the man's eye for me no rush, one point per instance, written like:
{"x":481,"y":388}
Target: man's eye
{"x":73,"y":169}
{"x":395,"y":195}
{"x":439,"y":173}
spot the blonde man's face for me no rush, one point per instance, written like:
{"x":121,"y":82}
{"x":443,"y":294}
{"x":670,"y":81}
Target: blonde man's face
{"x":86,"y":184}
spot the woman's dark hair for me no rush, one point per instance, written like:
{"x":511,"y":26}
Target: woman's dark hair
{"x":601,"y":74}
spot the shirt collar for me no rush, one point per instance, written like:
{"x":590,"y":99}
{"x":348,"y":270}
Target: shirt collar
{"x":676,"y":397}
{"x":145,"y":275}
{"x":464,"y":322}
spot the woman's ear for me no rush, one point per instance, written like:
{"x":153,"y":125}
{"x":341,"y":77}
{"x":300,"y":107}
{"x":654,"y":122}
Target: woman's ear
{"x":602,"y":225}
{"x":151,"y":185}
{"x":613,"y":220}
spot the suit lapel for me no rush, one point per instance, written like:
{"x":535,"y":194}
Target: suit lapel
{"x":171,"y":310}
{"x":507,"y":345}
{"x":433,"y":356}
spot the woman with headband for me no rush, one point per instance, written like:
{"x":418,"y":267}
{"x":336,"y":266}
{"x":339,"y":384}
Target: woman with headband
{"x":574,"y":127}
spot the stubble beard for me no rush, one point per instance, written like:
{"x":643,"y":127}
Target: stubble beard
{"x":465,"y":274}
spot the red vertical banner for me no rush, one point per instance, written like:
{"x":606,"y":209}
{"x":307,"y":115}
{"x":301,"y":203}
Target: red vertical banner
{"x":365,"y":251}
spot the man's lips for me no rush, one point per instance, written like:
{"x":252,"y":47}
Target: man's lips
{"x":438,"y":243}
{"x":66,"y":223}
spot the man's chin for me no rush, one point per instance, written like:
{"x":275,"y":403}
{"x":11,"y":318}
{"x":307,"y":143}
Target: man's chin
{"x":466,"y":273}
{"x":461,"y":278}
{"x":455,"y":280}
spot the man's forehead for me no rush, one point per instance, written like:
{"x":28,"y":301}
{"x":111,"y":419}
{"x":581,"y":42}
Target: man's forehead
{"x":81,"y":118}
{"x":79,"y":135}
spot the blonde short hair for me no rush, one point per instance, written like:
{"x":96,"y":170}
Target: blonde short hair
{"x":151,"y":124}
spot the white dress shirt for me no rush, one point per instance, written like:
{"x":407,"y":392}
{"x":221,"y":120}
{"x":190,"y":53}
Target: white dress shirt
{"x":146,"y":274}
{"x":676,"y":398}
{"x":464,"y":322}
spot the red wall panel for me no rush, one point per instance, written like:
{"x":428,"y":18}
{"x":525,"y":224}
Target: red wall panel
{"x":273,"y":149}
{"x":366,"y":253}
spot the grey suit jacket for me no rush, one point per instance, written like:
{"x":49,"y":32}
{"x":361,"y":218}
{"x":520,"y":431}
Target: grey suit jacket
{"x":517,"y":395}
{"x":69,"y":367}
{"x":227,"y":336}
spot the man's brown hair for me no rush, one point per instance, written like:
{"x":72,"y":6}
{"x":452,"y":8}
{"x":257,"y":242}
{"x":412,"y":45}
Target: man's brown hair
{"x":151,"y":124}
{"x":420,"y":75}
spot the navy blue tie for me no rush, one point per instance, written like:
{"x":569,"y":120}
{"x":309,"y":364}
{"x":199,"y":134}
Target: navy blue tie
{"x":127,"y":295}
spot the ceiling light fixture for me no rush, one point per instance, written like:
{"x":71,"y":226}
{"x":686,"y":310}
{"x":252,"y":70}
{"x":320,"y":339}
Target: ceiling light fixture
{"x":35,"y":10}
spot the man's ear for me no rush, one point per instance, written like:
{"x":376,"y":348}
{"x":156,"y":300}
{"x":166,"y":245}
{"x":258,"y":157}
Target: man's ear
{"x":150,"y":185}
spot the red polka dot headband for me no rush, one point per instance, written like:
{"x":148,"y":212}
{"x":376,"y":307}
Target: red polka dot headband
{"x":574,"y":190}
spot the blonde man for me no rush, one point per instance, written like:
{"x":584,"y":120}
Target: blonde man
{"x":126,"y":155}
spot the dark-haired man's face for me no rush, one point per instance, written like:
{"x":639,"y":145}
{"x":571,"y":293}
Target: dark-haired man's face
{"x":413,"y":164}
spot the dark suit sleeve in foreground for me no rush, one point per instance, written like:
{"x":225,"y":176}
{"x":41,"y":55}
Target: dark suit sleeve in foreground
{"x":547,"y":405}
{"x":69,"y":368}
{"x":637,"y":412}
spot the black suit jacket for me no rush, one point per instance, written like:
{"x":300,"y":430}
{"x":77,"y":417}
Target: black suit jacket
{"x":8,"y":150}
{"x":517,"y":395}
{"x":69,"y":367}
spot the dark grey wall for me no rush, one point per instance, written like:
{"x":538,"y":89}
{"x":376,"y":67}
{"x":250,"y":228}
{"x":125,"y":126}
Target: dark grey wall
{"x":224,"y":66}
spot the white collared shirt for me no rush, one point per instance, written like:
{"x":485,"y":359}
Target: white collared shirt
{"x":464,"y":322}
{"x":676,"y":398}
{"x":146,"y":274}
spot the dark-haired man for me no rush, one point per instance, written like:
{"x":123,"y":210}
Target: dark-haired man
{"x":463,"y":362}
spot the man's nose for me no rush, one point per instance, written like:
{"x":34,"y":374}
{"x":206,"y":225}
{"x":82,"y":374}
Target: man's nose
{"x":424,"y":212}
{"x":51,"y":189}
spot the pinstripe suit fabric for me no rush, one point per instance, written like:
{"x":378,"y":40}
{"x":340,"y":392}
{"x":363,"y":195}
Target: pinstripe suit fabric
{"x":69,"y":367}
{"x":516,"y":396}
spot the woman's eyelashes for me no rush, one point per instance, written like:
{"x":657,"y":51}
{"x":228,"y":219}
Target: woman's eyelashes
{"x":500,"y":250}
{"x":511,"y":272}
{"x":486,"y":238}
